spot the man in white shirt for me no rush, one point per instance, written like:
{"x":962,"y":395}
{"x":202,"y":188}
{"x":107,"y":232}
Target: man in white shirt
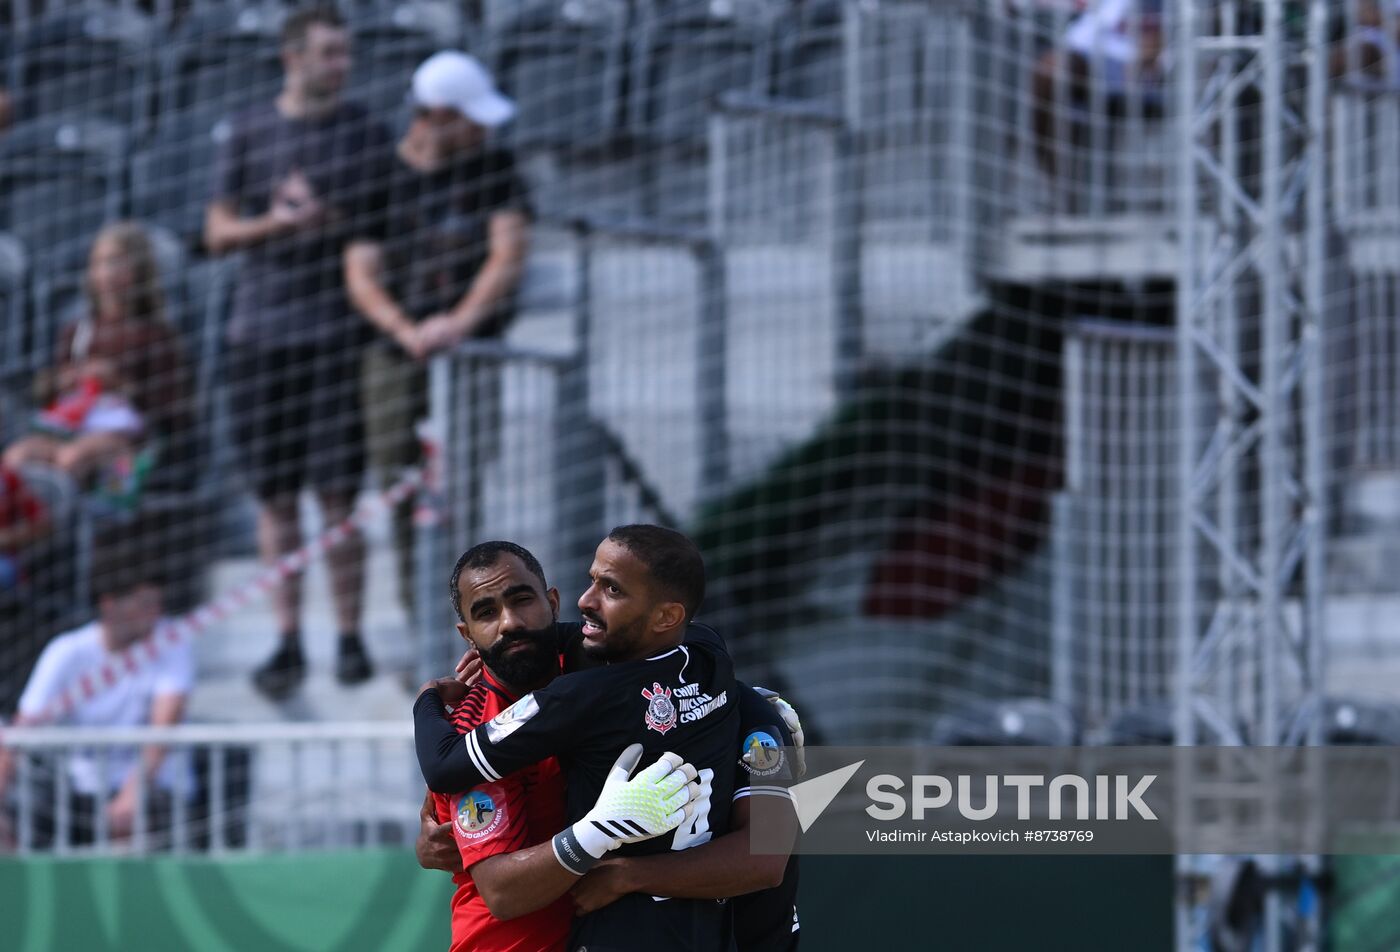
{"x":127,"y":583}
{"x":1117,"y":44}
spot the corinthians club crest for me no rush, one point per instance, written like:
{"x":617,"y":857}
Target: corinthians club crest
{"x":661,"y":711}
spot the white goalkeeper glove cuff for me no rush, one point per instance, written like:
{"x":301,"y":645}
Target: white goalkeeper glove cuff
{"x":654,"y":802}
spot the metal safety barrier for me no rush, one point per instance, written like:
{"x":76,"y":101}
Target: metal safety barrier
{"x":1113,"y":635}
{"x":230,"y":788}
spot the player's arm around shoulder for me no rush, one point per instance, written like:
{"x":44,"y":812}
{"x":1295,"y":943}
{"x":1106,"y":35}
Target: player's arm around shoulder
{"x":539,"y":725}
{"x":720,"y":869}
{"x":723,"y":867}
{"x":516,"y":882}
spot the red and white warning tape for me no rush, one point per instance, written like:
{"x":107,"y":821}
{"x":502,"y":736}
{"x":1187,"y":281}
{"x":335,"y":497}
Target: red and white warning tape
{"x":188,"y":626}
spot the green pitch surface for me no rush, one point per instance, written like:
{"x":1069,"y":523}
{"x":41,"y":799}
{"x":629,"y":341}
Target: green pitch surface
{"x":382,"y":901}
{"x":370,"y":900}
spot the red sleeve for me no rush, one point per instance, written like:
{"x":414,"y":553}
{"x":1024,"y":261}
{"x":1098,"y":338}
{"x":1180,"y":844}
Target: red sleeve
{"x":441,"y":811}
{"x":489,"y":819}
{"x":20,"y":504}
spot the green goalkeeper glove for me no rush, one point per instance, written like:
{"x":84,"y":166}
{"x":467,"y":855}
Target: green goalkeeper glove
{"x":656,"y":801}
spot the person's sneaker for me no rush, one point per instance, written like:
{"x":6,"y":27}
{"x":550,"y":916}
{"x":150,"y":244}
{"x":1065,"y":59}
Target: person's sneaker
{"x":352,"y":664}
{"x":281,"y":674}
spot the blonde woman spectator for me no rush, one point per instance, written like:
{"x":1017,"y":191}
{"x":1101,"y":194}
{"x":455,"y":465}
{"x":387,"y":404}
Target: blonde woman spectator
{"x":120,"y":379}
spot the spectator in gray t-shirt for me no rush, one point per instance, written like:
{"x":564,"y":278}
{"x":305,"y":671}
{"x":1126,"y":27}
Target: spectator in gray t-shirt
{"x":294,"y":184}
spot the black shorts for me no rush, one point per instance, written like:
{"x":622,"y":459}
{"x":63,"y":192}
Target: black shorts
{"x":296,"y":418}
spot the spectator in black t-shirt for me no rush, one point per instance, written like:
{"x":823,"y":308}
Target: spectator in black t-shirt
{"x":294,"y":185}
{"x":445,"y":265}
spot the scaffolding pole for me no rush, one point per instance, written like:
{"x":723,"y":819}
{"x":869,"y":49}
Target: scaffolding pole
{"x":1251,"y":109}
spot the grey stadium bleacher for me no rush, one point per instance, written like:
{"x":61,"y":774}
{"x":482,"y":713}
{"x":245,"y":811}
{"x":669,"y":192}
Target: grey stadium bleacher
{"x":614,"y":98}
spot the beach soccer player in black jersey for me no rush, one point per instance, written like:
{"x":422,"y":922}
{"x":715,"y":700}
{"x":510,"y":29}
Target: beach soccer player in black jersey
{"x":645,"y":584}
{"x":501,"y":598}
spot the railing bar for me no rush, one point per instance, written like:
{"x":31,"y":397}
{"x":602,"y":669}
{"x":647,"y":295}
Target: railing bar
{"x":736,"y":102}
{"x":101,"y":834}
{"x":138,"y":832}
{"x":217,"y":839}
{"x":332,"y":818}
{"x":24,"y":775}
{"x":62,"y":817}
{"x":179,"y":812}
{"x":23,"y":738}
{"x":293,"y":811}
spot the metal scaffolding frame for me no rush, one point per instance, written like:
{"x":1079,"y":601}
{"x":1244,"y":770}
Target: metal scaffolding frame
{"x":1250,"y":557}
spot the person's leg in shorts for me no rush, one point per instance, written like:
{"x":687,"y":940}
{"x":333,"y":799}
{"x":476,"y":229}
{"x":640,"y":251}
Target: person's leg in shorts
{"x":395,"y":398}
{"x":334,"y":466}
{"x":269,"y":390}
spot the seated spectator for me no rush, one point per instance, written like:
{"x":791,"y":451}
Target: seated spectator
{"x":121,"y":383}
{"x":127,"y":583}
{"x":1118,"y":43}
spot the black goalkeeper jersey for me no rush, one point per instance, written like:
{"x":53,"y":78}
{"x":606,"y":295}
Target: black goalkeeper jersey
{"x":764,"y":921}
{"x":682,"y":700}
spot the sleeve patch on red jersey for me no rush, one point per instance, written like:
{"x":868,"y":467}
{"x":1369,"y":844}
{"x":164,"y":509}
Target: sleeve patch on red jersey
{"x":510,"y":720}
{"x":479,"y":813}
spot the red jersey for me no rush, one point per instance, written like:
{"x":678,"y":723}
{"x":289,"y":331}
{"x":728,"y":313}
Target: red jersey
{"x":17,"y":503}
{"x":520,"y":810}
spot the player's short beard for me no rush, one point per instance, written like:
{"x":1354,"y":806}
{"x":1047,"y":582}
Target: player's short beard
{"x":528,"y":668}
{"x":617,"y":644}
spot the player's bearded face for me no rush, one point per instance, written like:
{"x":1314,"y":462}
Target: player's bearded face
{"x":615,"y":642}
{"x":523,"y":657}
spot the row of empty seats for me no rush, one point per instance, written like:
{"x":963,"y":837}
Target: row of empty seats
{"x":584,"y":71}
{"x":119,"y":65}
{"x":120,"y":116}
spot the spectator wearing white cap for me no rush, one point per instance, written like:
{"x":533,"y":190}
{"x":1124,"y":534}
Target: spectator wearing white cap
{"x":446,"y":262}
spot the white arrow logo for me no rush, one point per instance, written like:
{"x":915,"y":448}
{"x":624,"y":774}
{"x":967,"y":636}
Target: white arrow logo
{"x":812,"y":797}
